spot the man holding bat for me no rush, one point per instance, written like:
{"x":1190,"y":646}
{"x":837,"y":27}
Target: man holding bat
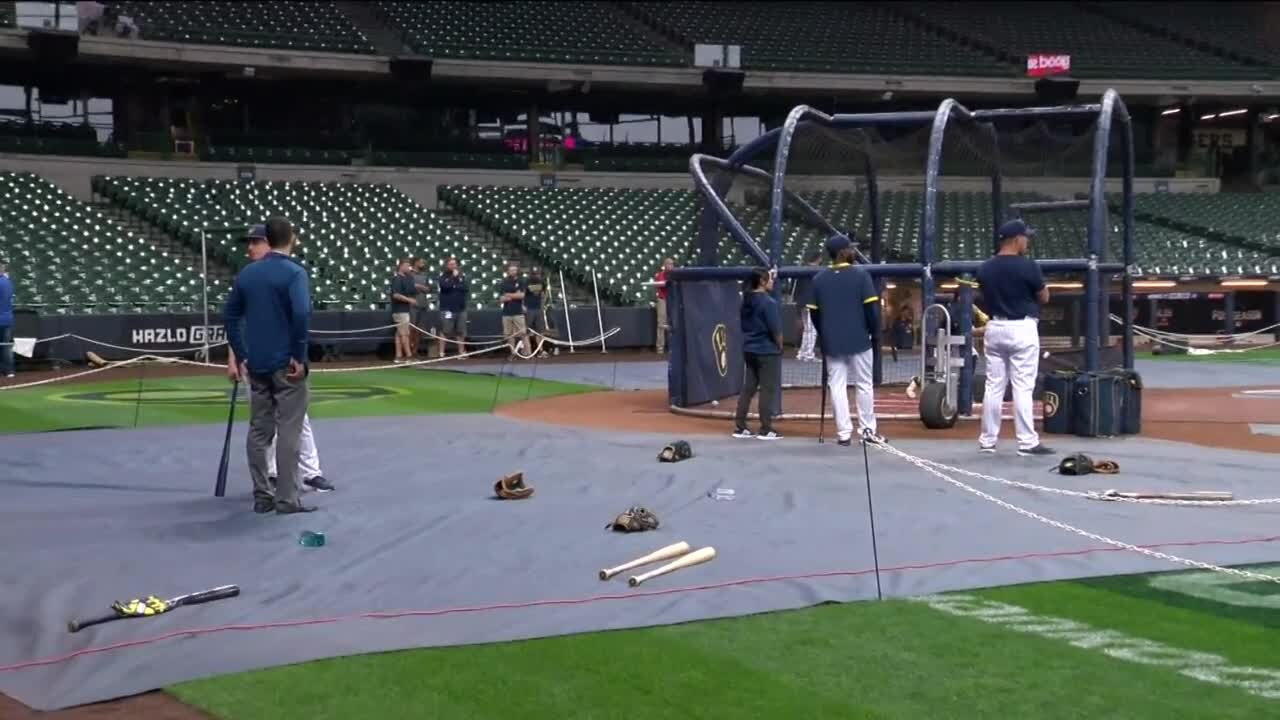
{"x":256,"y":248}
{"x":267,"y":318}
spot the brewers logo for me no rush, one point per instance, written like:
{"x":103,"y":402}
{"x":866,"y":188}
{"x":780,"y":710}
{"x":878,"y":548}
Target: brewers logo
{"x":1050,"y":404}
{"x":720,"y":348}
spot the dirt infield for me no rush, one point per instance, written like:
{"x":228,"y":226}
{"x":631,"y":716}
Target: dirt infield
{"x":1216,"y":417}
{"x":149,"y":706}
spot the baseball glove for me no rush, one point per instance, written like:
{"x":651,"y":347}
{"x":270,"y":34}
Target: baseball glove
{"x":1081,"y":464}
{"x":676,"y":451}
{"x":635,"y":519}
{"x":512,"y":487}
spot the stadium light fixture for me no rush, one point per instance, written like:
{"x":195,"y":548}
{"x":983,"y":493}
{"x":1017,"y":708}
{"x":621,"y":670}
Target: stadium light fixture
{"x":1229,"y":113}
{"x":1209,"y":116}
{"x":1172,"y":111}
{"x":1065,"y":285}
{"x":949,"y":286}
{"x":1154,"y":283}
{"x":1273,"y":116}
{"x":1243,"y":283}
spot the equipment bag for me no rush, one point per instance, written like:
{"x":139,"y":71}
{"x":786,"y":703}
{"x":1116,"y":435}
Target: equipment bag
{"x":1096,"y":405}
{"x":1056,"y":401}
{"x":1130,"y":401}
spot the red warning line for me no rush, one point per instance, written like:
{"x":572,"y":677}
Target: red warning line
{"x":399,"y":614}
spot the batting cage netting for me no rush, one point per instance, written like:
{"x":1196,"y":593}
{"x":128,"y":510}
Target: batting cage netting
{"x":885,"y":180}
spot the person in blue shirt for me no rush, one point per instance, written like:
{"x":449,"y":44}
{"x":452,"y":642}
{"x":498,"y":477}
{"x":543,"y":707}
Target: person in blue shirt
{"x":846,"y":311}
{"x":1012,"y":290}
{"x":761,"y":355}
{"x":6,"y":323}
{"x":268,"y":317}
{"x":453,"y":306}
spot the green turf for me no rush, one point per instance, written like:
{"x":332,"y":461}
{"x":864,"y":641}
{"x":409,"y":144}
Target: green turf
{"x":1268,"y":356}
{"x":143,"y":401}
{"x":890,"y":660}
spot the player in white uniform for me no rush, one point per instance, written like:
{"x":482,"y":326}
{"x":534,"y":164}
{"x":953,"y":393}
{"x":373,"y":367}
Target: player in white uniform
{"x":846,"y":311}
{"x":1013,"y":290}
{"x":308,"y":456}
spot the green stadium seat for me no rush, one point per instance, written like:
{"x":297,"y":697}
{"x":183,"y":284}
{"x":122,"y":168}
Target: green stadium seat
{"x":550,"y":32}
{"x":313,"y":26}
{"x":66,"y":255}
{"x":350,"y":234}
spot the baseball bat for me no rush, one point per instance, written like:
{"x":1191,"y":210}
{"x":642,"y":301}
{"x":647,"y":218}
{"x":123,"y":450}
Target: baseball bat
{"x":220,"y":485}
{"x":219,"y":593}
{"x":1156,"y":495}
{"x":697,"y":557}
{"x":666,"y":553}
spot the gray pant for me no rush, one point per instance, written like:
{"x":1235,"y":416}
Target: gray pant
{"x":278,"y":407}
{"x":763,"y":373}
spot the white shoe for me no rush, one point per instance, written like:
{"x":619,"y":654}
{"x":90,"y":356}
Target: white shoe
{"x":771,"y":435}
{"x":989,"y":449}
{"x":870,"y":436}
{"x":743,"y":434}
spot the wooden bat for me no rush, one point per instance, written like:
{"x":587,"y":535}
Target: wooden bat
{"x":666,"y":553}
{"x":1155,"y":495}
{"x":220,"y":482}
{"x":196,"y":598}
{"x":697,"y":557}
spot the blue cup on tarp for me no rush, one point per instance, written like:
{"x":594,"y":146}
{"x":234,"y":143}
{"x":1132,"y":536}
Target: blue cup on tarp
{"x":311,"y":538}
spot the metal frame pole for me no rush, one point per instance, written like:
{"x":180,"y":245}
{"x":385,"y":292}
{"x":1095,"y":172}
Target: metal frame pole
{"x":564,"y":298}
{"x":204,"y":290}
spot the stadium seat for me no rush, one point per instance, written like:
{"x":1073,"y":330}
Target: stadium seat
{"x":1099,"y":46}
{"x":1241,"y":31}
{"x":551,"y":32}
{"x":623,"y":234}
{"x":281,"y":24}
{"x":66,"y":257}
{"x":350,"y":234}
{"x":820,"y":37}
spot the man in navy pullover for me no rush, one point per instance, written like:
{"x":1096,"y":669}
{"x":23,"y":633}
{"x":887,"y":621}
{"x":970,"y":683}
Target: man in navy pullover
{"x":268,"y":316}
{"x":6,"y":323}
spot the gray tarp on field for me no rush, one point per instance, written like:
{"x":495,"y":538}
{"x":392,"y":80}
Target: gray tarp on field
{"x":91,"y":517}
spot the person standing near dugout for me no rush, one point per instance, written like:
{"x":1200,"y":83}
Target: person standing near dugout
{"x":846,"y":312}
{"x":512,"y":291}
{"x":663,"y":324}
{"x":453,"y":307}
{"x":267,"y":319}
{"x":6,"y":323}
{"x":803,"y":296}
{"x":535,"y":308}
{"x":404,"y":298}
{"x":1012,"y":289}
{"x":761,"y":356}
{"x":309,"y":470}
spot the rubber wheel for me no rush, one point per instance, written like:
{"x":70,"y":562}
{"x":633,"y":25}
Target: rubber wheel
{"x":935,"y":412}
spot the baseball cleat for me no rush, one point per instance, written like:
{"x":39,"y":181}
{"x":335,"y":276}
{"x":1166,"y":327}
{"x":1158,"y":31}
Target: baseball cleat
{"x":991,"y":449}
{"x":871,"y":436}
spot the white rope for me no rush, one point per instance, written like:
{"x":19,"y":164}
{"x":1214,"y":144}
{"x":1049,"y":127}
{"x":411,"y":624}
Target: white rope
{"x":93,"y":371}
{"x":1088,"y":495}
{"x":1166,"y":333}
{"x":1070,"y":528}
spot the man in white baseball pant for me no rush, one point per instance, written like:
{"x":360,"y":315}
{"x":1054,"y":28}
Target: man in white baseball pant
{"x":1013,"y":290}
{"x":846,"y":312}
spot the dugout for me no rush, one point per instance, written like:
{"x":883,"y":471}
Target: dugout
{"x":778,"y":197}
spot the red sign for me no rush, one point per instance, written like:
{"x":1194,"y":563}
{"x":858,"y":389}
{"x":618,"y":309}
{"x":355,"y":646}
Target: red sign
{"x":1042,"y":65}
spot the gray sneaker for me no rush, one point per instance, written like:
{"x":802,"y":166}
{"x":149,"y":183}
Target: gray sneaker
{"x":1038,"y":450}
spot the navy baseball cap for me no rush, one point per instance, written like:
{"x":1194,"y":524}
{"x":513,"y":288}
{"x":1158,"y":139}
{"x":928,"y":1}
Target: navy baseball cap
{"x":1014,"y":228}
{"x":838,"y":242}
{"x":255,"y":232}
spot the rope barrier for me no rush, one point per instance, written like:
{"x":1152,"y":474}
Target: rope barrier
{"x":929,"y":468}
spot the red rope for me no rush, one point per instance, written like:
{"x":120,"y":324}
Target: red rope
{"x":394,"y":615}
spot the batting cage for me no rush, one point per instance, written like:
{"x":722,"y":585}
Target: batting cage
{"x":921,"y":195}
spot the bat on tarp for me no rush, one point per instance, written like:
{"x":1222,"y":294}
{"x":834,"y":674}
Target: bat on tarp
{"x":155,"y":606}
{"x":1208,"y":495}
{"x":220,"y":484}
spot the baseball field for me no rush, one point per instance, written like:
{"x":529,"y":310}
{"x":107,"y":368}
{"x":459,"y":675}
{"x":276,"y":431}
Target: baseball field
{"x":1194,"y":644}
